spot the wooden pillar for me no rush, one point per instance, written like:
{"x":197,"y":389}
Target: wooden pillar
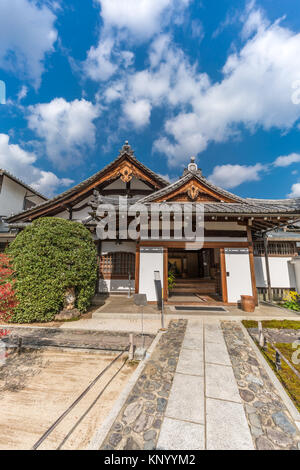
{"x":166,"y":270}
{"x":252,"y":266}
{"x":137,"y":269}
{"x":270,"y":296}
{"x":223,"y":275}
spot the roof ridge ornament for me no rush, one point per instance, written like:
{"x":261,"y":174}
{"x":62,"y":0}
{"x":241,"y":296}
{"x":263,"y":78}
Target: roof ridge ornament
{"x":193,"y":167}
{"x":126,"y":149}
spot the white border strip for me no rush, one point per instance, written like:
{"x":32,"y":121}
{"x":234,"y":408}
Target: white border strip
{"x":276,"y":382}
{"x":101,"y":433}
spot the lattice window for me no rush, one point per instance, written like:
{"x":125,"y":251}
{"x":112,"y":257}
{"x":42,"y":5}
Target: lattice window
{"x":119,"y":263}
{"x":275,"y":248}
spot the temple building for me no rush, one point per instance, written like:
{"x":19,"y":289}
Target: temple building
{"x":237,"y":256}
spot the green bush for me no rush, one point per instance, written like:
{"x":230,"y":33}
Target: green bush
{"x":48,"y":257}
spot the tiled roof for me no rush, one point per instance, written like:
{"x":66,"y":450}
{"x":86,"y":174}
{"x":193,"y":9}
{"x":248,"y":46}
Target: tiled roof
{"x":126,"y":150}
{"x":185,"y":179}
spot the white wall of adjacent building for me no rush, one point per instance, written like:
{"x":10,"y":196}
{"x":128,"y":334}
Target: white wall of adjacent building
{"x":282,"y":272}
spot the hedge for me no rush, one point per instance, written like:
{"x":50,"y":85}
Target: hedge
{"x":50,"y":256}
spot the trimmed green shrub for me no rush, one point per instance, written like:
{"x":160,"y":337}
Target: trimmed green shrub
{"x":48,"y":257}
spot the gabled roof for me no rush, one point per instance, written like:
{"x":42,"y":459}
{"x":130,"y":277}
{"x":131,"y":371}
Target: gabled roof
{"x":21,"y":183}
{"x":202,"y":183}
{"x":125,"y":154}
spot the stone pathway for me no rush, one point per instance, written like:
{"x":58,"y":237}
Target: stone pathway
{"x":139,"y":421}
{"x":270,"y":423}
{"x":203,"y":388}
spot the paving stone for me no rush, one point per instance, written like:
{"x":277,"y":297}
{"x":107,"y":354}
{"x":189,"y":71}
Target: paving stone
{"x":216,"y":353}
{"x":227,"y":427}
{"x":183,"y":402}
{"x":132,"y":412}
{"x":279,"y":438}
{"x":190,"y":362}
{"x":221,"y":383}
{"x":180,"y":435}
{"x":247,"y":395}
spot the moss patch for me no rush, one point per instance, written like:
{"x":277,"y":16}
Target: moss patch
{"x":279,"y":324}
{"x":287,"y":377}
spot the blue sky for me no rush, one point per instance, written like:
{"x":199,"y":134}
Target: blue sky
{"x":216,"y":79}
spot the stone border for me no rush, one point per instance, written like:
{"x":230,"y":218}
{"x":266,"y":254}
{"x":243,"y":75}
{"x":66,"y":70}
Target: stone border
{"x":99,"y":436}
{"x":271,"y":425}
{"x":274,"y":379}
{"x":139,"y":421}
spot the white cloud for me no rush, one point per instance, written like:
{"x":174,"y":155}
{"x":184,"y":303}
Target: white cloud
{"x":287,"y":160}
{"x":27,"y":34}
{"x":128,"y":21}
{"x":22,"y":164}
{"x":255,"y":91}
{"x":67,"y":128}
{"x":141,"y":18}
{"x":138,"y":113}
{"x":295,"y":190}
{"x":230,"y":176}
{"x":99,"y":65}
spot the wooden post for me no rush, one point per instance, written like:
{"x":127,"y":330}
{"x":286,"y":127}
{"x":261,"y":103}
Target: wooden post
{"x":137,"y":269}
{"x":270,"y":296}
{"x":223,"y":275}
{"x":131,"y":347}
{"x":252,"y":266}
{"x":165,"y":275}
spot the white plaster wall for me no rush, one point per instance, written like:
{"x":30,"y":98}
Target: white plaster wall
{"x":281,"y":272}
{"x":151,"y":259}
{"x":239,"y":279}
{"x":11,"y":197}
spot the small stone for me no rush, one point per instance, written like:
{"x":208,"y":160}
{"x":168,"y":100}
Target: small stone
{"x":256,"y":432}
{"x":255,"y":380}
{"x":117,"y":427}
{"x":246,"y":395}
{"x":149,"y":445}
{"x":262,"y":443}
{"x":255,"y":420}
{"x":149,"y":396}
{"x":283,"y":423}
{"x":157,"y":423}
{"x":150,"y":435}
{"x":252,"y":361}
{"x":131,"y":444}
{"x":143,"y":422}
{"x":115,"y":439}
{"x":161,"y":404}
{"x":132,"y":412}
{"x":279,"y":438}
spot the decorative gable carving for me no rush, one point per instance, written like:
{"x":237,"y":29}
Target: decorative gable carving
{"x":193,"y":191}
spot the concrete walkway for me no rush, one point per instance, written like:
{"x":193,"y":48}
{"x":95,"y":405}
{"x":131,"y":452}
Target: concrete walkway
{"x":205,"y":409}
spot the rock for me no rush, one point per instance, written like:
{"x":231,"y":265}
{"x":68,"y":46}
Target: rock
{"x":117,"y":427}
{"x":131,"y":444}
{"x":157,"y":423}
{"x":161,"y":404}
{"x":246,"y":395}
{"x":262,"y":443}
{"x":283,"y":423}
{"x":255,"y":420}
{"x":256,"y":432}
{"x":66,"y":314}
{"x":255,"y":380}
{"x":115,"y":439}
{"x":252,"y":361}
{"x":149,"y":445}
{"x":69,"y":299}
{"x":150,"y":435}
{"x":279,"y":438}
{"x":143,"y":422}
{"x":132,"y":411}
